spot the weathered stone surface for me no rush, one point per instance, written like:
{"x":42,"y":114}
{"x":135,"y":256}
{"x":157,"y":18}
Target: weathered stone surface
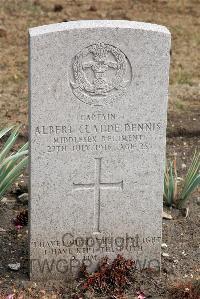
{"x":98,"y":102}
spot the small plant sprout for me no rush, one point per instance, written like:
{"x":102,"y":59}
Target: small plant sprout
{"x":11,"y":165}
{"x":172,"y":196}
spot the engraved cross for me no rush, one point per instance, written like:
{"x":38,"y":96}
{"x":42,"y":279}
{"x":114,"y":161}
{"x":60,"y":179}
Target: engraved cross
{"x":97,"y":186}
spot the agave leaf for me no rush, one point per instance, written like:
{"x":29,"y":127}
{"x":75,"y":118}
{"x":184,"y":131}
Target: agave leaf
{"x":4,"y":131}
{"x":12,"y":175}
{"x":21,"y":152}
{"x":9,"y":143}
{"x":171,"y":185}
{"x":167,"y":185}
{"x":175,"y":180}
{"x":193,"y":171}
{"x":184,"y":196}
{"x":9,"y":163}
{"x":14,"y":157}
{"x":24,"y":147}
{"x":11,"y":166}
{"x":192,"y":179}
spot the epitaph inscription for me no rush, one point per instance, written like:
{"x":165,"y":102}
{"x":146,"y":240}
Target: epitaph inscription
{"x":98,"y":106}
{"x":97,"y":186}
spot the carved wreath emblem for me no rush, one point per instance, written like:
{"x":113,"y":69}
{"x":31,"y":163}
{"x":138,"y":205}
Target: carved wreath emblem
{"x":101,"y":73}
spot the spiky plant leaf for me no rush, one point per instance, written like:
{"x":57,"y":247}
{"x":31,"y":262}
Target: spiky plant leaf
{"x":11,"y":166}
{"x":12,"y":159}
{"x":194,"y":184}
{"x":5,"y":131}
{"x":192,"y":180}
{"x":9,"y":144}
{"x":10,"y":162}
{"x":12,"y":176}
{"x":170,"y":184}
{"x":166,"y":184}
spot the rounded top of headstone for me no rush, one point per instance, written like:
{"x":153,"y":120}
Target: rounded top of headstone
{"x":45,"y":29}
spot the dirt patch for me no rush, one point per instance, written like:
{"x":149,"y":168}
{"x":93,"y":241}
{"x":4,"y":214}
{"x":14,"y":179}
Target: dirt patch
{"x":184,"y":111}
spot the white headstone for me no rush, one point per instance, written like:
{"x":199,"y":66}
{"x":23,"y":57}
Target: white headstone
{"x":98,"y":106}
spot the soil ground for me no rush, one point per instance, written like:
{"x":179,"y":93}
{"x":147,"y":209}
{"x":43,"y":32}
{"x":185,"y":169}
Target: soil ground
{"x":181,"y":234}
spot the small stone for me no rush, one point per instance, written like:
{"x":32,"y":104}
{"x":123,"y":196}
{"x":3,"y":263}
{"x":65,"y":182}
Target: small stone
{"x":164,"y":245}
{"x":23,"y":198}
{"x":2,"y":230}
{"x":179,"y":179}
{"x":164,"y":254}
{"x":175,"y":261}
{"x":14,"y":267}
{"x":166,"y":216}
{"x":23,"y":186}
{"x":4,"y":200}
{"x":198,"y":201}
{"x":183,"y":166}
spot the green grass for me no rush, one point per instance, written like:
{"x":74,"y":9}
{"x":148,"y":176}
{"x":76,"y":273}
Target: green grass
{"x":184,"y":78}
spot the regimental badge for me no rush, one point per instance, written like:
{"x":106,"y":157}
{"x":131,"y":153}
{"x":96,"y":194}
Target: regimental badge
{"x":101,"y":74}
